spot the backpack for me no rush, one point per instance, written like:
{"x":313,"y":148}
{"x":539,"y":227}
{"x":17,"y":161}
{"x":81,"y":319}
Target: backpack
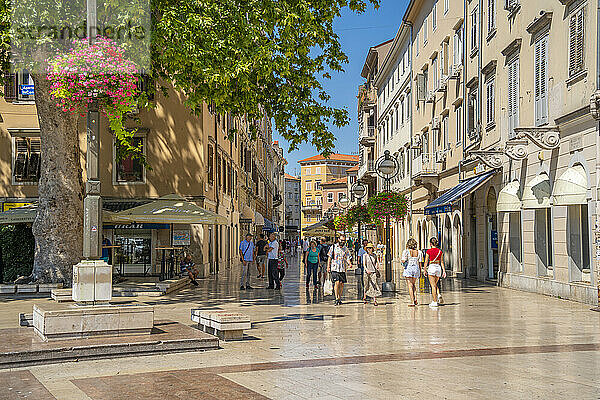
{"x":323,"y":252}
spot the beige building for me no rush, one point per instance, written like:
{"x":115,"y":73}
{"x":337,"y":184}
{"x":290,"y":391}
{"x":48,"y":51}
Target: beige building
{"x":239,"y":178}
{"x":315,"y":171}
{"x":504,"y":143}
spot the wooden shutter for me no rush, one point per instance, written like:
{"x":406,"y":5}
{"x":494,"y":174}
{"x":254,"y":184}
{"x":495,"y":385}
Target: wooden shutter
{"x":576,"y":42}
{"x":34,"y":161}
{"x":21,"y":153}
{"x":420,"y":87}
{"x":513,"y":96}
{"x":541,"y":81}
{"x":10,"y":86}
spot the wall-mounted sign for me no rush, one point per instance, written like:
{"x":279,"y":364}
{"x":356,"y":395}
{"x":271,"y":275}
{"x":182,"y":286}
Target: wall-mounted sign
{"x":245,"y":220}
{"x":9,"y":206}
{"x":27,"y":90}
{"x":136,"y":226}
{"x":479,"y":169}
{"x":494,"y":237}
{"x":181,"y":237}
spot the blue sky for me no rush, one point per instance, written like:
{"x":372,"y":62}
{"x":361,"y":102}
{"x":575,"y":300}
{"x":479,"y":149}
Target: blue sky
{"x":357,"y":33}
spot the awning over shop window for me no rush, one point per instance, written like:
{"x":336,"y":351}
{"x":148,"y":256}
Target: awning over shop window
{"x":26,"y":215}
{"x":444,"y":203}
{"x":537,"y":193}
{"x":571,"y":187}
{"x":259,"y":219}
{"x":319,"y":228}
{"x":508,"y":198}
{"x":171,"y":209}
{"x":247,"y":214}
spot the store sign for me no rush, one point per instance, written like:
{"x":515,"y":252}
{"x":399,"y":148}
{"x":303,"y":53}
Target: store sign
{"x":27,"y":90}
{"x":181,"y":237}
{"x":9,"y":206}
{"x":479,"y":169}
{"x":136,"y":226}
{"x":245,"y":220}
{"x":494,"y":237}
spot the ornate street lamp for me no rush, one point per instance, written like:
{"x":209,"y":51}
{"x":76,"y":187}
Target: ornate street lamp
{"x":387,"y":168}
{"x":359,"y":190}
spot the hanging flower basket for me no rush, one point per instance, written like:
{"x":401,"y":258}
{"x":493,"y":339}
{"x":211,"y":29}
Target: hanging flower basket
{"x":386,"y":204}
{"x":359,"y":214}
{"x":99,"y":71}
{"x":341,"y":222}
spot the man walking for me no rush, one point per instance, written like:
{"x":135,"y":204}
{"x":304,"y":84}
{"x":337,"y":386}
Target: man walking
{"x":337,"y":263}
{"x":273,"y":261}
{"x":247,"y":257}
{"x":323,"y":251}
{"x":261,"y":255}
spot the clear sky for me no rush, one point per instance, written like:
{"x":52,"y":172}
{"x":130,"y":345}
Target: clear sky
{"x":357,"y":34}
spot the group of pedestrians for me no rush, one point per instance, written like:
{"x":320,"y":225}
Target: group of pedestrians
{"x":432,"y":266}
{"x":267,"y":255}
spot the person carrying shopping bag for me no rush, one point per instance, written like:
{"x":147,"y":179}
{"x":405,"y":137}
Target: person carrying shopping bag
{"x":371,"y":274}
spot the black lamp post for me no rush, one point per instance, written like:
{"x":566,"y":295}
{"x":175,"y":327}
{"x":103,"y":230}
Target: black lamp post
{"x":359,"y":190}
{"x":387,"y":168}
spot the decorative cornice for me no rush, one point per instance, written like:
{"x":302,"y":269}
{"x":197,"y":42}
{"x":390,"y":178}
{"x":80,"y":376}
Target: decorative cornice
{"x":513,"y":47}
{"x":546,"y":137}
{"x":491,"y":158}
{"x":516,"y":149}
{"x":540,"y":22}
{"x":595,"y":105}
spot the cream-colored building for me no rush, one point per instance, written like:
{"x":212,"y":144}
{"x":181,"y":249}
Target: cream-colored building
{"x":504,"y":139}
{"x":192,"y":156}
{"x":314,"y":171}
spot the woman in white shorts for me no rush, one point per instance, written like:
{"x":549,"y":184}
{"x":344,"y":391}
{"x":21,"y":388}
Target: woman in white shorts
{"x":412,"y":259}
{"x":434,"y":268}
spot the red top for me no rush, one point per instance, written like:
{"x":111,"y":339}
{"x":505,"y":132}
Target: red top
{"x":435,"y":255}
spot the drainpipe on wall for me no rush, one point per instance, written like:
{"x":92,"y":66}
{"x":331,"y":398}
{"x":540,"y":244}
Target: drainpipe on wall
{"x":410,"y":161}
{"x":595,"y":113}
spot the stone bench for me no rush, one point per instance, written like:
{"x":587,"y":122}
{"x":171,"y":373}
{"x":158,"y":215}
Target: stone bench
{"x":29,"y":289}
{"x":172,"y":285}
{"x":223,"y":324}
{"x":62,"y":295}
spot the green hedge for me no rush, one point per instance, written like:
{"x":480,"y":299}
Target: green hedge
{"x":17,"y":246}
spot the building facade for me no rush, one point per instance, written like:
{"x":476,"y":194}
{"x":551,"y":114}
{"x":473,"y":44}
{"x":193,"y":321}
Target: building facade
{"x":293,"y":206}
{"x":314,"y":171}
{"x":240,"y":178}
{"x":504,"y":144}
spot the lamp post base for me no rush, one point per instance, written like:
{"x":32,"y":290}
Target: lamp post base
{"x":388,"y":287}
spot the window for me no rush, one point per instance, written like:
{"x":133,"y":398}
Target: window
{"x":491,"y":16}
{"x":459,"y":125}
{"x":457,"y":52}
{"x":341,"y":195}
{"x":330,"y":197}
{"x":472,"y":114}
{"x":576,"y":45}
{"x":308,"y":185}
{"x":397,"y":116}
{"x":307,"y":171}
{"x":425,"y":32}
{"x":129,"y":169}
{"x":407,"y":113}
{"x":318,"y":185}
{"x":446,"y":133}
{"x":319,"y":200}
{"x":307,"y":200}
{"x":490,"y":110}
{"x":27,"y":159}
{"x":474,"y":31}
{"x":434,"y":68}
{"x":417,"y":44}
{"x":579,"y":242}
{"x":444,"y":60}
{"x":317,"y":170}
{"x":446,"y":6}
{"x":402,"y":116}
{"x":513,"y":97}
{"x":434,"y":16}
{"x":541,"y":81}
{"x":25,"y":86}
{"x":543,"y":241}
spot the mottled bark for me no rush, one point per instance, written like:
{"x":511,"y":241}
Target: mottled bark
{"x":58,"y":227}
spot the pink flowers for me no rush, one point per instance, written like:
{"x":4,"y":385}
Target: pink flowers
{"x":388,"y":204}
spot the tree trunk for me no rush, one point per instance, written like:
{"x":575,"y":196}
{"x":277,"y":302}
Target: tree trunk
{"x":58,"y":227}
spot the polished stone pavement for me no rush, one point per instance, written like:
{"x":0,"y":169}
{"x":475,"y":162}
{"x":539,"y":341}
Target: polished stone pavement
{"x":484,"y":343}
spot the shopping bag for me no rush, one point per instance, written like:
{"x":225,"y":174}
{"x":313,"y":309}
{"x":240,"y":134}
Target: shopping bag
{"x":327,"y":287}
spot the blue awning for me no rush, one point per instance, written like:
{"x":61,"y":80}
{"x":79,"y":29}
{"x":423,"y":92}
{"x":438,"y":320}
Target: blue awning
{"x":269,"y":226}
{"x":443,"y":204}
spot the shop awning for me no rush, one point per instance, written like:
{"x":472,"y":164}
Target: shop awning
{"x":246,"y":214}
{"x":26,"y":215}
{"x":571,"y":187}
{"x":444,"y":203}
{"x":508,"y":198}
{"x":319,"y":228}
{"x":259,"y":219}
{"x":537,"y":193}
{"x":171,"y":209}
{"x":269,"y":226}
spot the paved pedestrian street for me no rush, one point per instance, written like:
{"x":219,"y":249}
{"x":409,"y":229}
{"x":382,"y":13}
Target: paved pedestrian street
{"x":485,"y":342}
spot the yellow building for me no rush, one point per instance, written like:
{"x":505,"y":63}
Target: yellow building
{"x":315,"y":171}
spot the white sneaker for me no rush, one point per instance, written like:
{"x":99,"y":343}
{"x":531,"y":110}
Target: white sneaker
{"x":440,"y":299}
{"x":433,"y":304}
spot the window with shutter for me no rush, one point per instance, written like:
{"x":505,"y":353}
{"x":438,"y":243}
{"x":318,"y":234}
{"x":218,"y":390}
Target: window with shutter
{"x":21,"y":158}
{"x":541,"y":81}
{"x":513,"y":97}
{"x":129,"y":169}
{"x":490,"y":102}
{"x":446,"y":133}
{"x":576,"y":42}
{"x":434,"y":16}
{"x":420,"y":87}
{"x":474,"y":26}
{"x":34,"y":162}
{"x":425,"y":32}
{"x":491,"y":15}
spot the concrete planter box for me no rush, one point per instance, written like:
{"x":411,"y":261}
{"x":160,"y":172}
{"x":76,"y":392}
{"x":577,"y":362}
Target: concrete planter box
{"x":8,"y":289}
{"x":27,"y":288}
{"x":52,"y":322}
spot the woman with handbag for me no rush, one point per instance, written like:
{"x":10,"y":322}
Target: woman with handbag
{"x":412,"y":259}
{"x":434,"y":269}
{"x":311,"y":260}
{"x":371,"y":274}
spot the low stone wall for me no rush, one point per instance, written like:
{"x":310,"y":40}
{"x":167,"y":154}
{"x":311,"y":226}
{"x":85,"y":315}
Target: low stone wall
{"x":571,"y":291}
{"x":42,"y":288}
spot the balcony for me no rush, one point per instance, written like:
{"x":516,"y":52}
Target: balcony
{"x":425,"y":168}
{"x":367,"y":170}
{"x":366,"y":136}
{"x":316,"y":207}
{"x":367,"y":96}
